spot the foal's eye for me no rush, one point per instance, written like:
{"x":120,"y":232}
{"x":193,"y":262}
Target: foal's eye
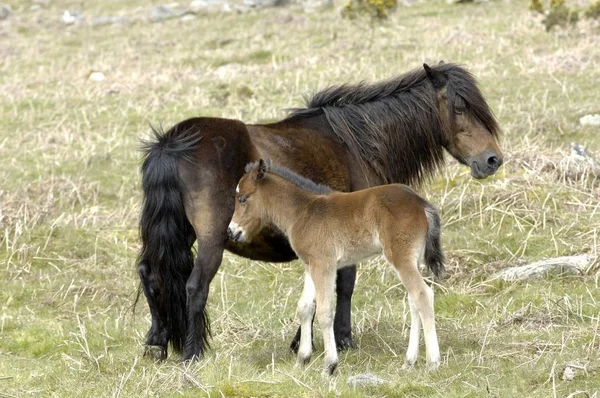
{"x":243,"y":199}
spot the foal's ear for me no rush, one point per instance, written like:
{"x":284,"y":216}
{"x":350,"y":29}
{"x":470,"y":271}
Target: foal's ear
{"x":437,"y":78}
{"x":441,"y":62}
{"x":260,"y":170}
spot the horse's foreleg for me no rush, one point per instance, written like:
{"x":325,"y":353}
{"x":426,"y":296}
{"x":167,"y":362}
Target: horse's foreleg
{"x":157,"y":338}
{"x":342,"y":325}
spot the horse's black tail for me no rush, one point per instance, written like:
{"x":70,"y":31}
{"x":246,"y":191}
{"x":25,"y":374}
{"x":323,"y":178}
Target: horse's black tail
{"x":434,"y":255}
{"x":167,"y":235}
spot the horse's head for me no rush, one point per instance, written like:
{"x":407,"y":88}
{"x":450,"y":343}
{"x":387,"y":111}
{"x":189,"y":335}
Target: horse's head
{"x":248,"y":217}
{"x":470,"y":132}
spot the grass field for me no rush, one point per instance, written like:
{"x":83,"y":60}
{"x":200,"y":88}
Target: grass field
{"x":70,"y":198}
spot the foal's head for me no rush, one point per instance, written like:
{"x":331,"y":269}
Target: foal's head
{"x":470,"y":130}
{"x":247,"y":219}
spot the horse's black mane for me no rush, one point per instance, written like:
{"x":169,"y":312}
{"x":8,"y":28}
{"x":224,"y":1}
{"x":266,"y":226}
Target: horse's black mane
{"x":394,"y":126}
{"x":291,"y":176}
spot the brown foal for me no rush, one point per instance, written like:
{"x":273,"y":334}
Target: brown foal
{"x":330,"y":230}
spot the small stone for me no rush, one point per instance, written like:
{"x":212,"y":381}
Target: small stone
{"x":5,"y":12}
{"x":590,"y":120}
{"x":568,"y":374}
{"x":97,"y":77}
{"x":163,"y":13}
{"x":109,"y":20}
{"x":71,"y":17}
{"x":365,"y":380}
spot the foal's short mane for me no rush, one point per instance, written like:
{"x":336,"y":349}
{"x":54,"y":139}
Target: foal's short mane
{"x":394,"y":126}
{"x":291,"y":176}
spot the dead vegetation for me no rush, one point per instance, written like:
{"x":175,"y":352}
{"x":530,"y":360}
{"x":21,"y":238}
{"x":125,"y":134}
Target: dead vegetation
{"x":69,"y":202}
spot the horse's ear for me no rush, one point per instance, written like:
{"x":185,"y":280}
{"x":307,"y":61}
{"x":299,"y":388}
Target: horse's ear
{"x":437,"y":78}
{"x":261,"y":169}
{"x":441,"y":62}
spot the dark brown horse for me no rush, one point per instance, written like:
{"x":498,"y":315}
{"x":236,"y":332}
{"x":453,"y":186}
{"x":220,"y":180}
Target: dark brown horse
{"x":348,"y":137}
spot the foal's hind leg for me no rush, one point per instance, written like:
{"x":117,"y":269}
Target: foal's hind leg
{"x":405,"y":261}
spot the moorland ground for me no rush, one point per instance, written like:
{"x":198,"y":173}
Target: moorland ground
{"x":70,"y":198}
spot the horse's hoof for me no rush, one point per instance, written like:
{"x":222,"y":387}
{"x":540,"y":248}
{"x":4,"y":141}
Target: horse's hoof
{"x":157,"y":352}
{"x":344,"y":343}
{"x":295,"y":346}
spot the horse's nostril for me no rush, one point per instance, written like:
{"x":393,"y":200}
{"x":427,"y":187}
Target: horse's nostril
{"x":492,"y":161}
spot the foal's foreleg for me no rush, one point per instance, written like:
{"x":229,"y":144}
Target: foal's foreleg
{"x":306,"y":313}
{"x":323,"y":276}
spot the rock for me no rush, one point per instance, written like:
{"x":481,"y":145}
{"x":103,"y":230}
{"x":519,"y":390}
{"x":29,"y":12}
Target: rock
{"x":568,"y":373}
{"x":163,"y":13}
{"x":71,"y":17}
{"x":590,"y":120}
{"x":109,"y":20}
{"x":316,"y":5}
{"x":365,"y":380}
{"x":5,"y":12}
{"x":97,"y":77}
{"x":260,"y":3}
{"x":207,"y":5}
{"x":567,"y":264}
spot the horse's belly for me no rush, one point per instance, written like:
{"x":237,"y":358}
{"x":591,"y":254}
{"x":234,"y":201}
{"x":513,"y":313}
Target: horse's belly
{"x":268,"y":246}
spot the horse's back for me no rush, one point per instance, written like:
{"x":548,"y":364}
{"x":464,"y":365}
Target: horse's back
{"x":307,"y":149}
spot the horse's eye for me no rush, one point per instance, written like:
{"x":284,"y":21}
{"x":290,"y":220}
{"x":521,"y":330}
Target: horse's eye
{"x":243,"y":199}
{"x":460,"y":110}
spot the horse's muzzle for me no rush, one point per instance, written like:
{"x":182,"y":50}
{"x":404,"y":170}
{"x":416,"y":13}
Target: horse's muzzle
{"x":486,"y":164}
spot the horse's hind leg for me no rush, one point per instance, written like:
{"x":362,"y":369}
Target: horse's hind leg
{"x":157,"y":338}
{"x":209,"y":210}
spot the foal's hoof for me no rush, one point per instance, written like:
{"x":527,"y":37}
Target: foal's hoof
{"x":409,"y":363}
{"x":344,"y":343}
{"x":329,"y":370}
{"x":433,"y":366}
{"x":156,"y":352}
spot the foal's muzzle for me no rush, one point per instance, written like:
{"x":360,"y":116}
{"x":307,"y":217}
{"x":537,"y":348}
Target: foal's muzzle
{"x":234,"y":232}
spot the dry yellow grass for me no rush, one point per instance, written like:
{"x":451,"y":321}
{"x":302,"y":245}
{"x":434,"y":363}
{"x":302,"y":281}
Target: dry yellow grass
{"x":70,"y":196}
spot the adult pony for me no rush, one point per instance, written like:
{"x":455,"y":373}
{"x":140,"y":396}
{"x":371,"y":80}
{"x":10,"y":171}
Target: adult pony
{"x":348,"y":137}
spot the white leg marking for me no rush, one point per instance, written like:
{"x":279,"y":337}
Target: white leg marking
{"x":412,"y":353}
{"x":428,"y":318}
{"x":306,"y":311}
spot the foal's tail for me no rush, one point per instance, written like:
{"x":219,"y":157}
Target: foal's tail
{"x":434,"y":255}
{"x":167,"y":235}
